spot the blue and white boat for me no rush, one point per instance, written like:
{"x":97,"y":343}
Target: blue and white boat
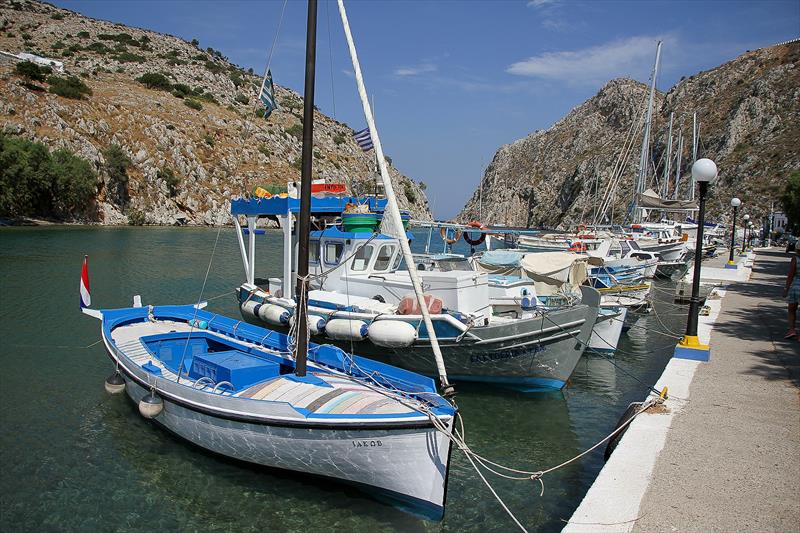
{"x":231,"y":387}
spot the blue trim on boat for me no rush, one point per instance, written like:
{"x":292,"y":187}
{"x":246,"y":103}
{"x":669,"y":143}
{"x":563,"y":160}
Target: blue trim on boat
{"x":522,"y":384}
{"x":332,"y":205}
{"x":325,"y":355}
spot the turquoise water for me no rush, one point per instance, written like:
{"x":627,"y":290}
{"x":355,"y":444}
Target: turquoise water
{"x":74,"y":458}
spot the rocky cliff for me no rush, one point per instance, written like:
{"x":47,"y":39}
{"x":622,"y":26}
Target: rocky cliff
{"x":749,"y":114}
{"x":201,"y":129}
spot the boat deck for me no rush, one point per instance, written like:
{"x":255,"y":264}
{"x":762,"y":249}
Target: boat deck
{"x":338,"y":395}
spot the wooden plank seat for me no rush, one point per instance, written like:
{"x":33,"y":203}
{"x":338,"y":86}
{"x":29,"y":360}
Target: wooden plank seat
{"x":345,"y":398}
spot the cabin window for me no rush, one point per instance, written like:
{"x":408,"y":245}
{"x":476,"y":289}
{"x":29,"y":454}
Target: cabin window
{"x":333,"y":252}
{"x":313,"y":251}
{"x":384,"y":259}
{"x":397,"y":261}
{"x":361,"y":259}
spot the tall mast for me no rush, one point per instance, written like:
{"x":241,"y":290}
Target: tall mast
{"x":304,"y":226}
{"x":641,"y":182}
{"x":678,"y":158}
{"x":392,"y":210}
{"x":668,"y":165}
{"x":695,"y":141}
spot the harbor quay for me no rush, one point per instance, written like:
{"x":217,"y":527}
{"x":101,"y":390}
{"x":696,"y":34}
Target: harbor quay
{"x":722,"y":452}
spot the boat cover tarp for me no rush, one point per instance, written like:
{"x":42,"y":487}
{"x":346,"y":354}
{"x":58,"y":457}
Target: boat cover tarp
{"x":555,"y":268}
{"x":502,"y":258}
{"x":651,"y":199}
{"x":551,"y":272}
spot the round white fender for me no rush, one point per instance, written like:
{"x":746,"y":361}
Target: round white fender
{"x":273,"y":314}
{"x":346,"y":330}
{"x":316,"y":323}
{"x":392,"y":333}
{"x":250,"y":309}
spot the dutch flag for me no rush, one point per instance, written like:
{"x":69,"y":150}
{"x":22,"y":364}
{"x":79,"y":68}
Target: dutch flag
{"x":86,"y":298}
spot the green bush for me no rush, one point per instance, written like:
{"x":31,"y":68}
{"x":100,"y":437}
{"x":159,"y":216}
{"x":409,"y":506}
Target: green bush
{"x":297,"y":163}
{"x":57,"y":16}
{"x":136,"y":217}
{"x":209,"y":140}
{"x":32,"y":71}
{"x":58,"y":45}
{"x":116,"y":166}
{"x":127,"y":57}
{"x":100,"y":48}
{"x":181,"y":90}
{"x":195,"y":43}
{"x":83,"y":34}
{"x":296,"y":131}
{"x":70,"y":87}
{"x":170,"y":180}
{"x":338,"y":139}
{"x":194,"y":104}
{"x":206,"y":97}
{"x":264,"y":150}
{"x":155,"y":80}
{"x":34,"y":182}
{"x":242,"y":99}
{"x":411,"y":195}
{"x":213,"y":67}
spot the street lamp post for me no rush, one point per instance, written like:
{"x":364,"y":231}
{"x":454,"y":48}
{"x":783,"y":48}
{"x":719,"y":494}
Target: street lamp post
{"x":735,"y":203}
{"x":744,"y":237}
{"x":750,"y":227}
{"x":704,"y":171}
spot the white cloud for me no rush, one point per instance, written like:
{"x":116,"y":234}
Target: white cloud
{"x":540,"y":3}
{"x":349,"y":73}
{"x":629,"y":57}
{"x":423,"y":68}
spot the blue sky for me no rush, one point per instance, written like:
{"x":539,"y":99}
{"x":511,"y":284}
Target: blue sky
{"x":453,"y":81}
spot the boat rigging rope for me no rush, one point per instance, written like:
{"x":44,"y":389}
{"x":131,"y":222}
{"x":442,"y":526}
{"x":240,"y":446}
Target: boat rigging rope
{"x":197,"y":307}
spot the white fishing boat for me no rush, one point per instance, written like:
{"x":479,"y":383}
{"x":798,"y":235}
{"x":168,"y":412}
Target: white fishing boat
{"x":233,"y":388}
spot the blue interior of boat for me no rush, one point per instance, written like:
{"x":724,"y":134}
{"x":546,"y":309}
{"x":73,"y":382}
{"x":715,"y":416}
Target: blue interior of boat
{"x":208,"y":356}
{"x":205,"y":352}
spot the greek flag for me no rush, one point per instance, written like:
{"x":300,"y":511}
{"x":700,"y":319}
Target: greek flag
{"x":363,"y":139}
{"x":267,"y":96}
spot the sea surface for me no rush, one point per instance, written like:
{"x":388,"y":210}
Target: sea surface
{"x":73,"y":458}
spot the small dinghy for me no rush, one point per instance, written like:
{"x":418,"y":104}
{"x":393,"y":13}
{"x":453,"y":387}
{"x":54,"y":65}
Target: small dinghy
{"x":231,"y":388}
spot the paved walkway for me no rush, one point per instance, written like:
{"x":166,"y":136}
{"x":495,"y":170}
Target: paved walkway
{"x":731,"y":461}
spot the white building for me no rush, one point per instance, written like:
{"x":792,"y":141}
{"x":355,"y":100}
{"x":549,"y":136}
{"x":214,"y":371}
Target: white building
{"x":58,"y":66}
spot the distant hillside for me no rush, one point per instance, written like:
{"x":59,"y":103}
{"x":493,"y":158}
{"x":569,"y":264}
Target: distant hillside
{"x":749,"y":110}
{"x":194,"y":141}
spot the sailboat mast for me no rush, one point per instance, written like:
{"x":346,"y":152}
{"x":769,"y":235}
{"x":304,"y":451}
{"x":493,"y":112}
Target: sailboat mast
{"x":695,"y":140}
{"x":641,"y":182}
{"x":392,"y":210}
{"x":668,"y":165}
{"x":304,"y":226}
{"x":678,"y":158}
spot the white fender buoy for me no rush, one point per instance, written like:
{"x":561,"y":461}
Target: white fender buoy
{"x":151,"y":405}
{"x":250,"y":309}
{"x":316,"y":323}
{"x":114,"y":383}
{"x":274,"y":314}
{"x":392,"y":333}
{"x":346,"y":330}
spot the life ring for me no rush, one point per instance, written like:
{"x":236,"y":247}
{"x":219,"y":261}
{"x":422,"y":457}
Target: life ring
{"x":481,"y":236}
{"x":577,"y":246}
{"x":444,"y":231}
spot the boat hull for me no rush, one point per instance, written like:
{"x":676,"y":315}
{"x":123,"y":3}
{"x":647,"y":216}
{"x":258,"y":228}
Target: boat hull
{"x":528,"y":355}
{"x":607,"y":331}
{"x":408,"y":466}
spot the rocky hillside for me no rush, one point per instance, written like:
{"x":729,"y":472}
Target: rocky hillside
{"x":749,"y":110}
{"x":194,"y":142}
